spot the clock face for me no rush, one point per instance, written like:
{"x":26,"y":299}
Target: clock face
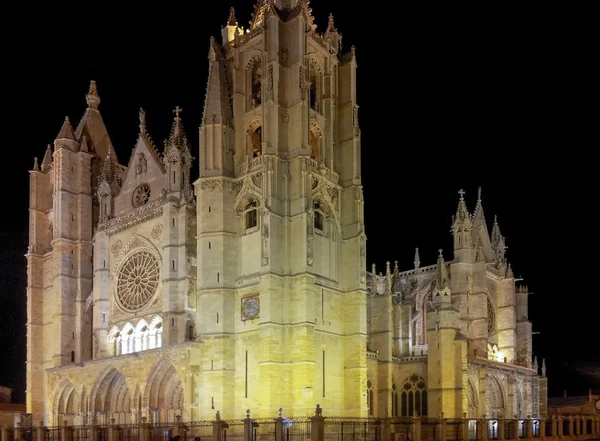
{"x":250,"y":308}
{"x":598,"y":405}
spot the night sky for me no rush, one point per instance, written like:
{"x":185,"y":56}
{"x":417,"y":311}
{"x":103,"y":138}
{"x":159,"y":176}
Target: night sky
{"x":450,"y":97}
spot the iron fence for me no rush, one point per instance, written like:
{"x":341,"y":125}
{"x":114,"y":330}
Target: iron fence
{"x":352,"y":429}
{"x":198,"y":429}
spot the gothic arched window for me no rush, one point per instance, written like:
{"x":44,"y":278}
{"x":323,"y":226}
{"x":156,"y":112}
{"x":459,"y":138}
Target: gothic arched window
{"x":256,"y":140}
{"x":394,"y":401}
{"x":370,"y":398}
{"x":414,"y":396}
{"x":314,"y":79}
{"x":319,"y":222}
{"x":491,"y":317}
{"x":255,"y":83}
{"x":251,"y":214}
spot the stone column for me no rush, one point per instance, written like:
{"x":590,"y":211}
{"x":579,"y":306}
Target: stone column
{"x":317,"y":425}
{"x":386,"y":430}
{"x":4,"y":433}
{"x":416,"y":427}
{"x":17,"y":432}
{"x":112,"y":431}
{"x":576,"y":426}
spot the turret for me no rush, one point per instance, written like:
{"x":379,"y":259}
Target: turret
{"x":498,"y":243}
{"x":178,"y":160}
{"x":462,"y":232}
{"x":231,"y":29}
{"x":447,"y":349}
{"x":109,"y":183}
{"x":66,"y":137}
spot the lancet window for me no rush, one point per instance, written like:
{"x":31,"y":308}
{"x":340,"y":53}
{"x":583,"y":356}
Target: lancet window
{"x":255,"y":83}
{"x":319,"y":219}
{"x":251,"y":215}
{"x":414,"y":396}
{"x":315,"y":92}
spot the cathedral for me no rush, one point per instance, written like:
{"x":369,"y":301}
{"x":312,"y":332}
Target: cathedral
{"x":152,"y":296}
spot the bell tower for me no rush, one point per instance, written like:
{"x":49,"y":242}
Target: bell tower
{"x":281,"y":283}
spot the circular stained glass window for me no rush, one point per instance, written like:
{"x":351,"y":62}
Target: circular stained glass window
{"x":137,"y":280}
{"x":141,"y":195}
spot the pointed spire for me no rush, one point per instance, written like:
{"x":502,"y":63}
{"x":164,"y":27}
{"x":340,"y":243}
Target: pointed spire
{"x":36,"y":167}
{"x":232,"y":21}
{"x":388,"y":269}
{"x":417,"y":260}
{"x":441,"y":273}
{"x":543,"y":367}
{"x":66,"y":131}
{"x":536,"y":366}
{"x":109,"y":171}
{"x":47,"y":161}
{"x":217,"y":106}
{"x":177,"y":138}
{"x":92,"y":99}
{"x":396,"y":266}
{"x":478,"y":213}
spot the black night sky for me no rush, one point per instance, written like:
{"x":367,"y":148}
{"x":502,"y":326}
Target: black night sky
{"x":450,"y":96}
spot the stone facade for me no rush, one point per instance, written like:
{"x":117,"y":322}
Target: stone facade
{"x":150,"y":296}
{"x":458,"y":328}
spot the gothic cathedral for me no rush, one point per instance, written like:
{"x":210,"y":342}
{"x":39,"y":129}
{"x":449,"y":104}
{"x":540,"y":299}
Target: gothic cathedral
{"x":153,"y":296}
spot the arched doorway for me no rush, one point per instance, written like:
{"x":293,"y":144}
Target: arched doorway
{"x":110,"y":398}
{"x":65,"y":404}
{"x":164,"y":393}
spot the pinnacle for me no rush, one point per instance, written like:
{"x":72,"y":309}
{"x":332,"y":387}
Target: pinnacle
{"x":462,"y":214}
{"x":232,"y":21}
{"x":47,"y":161}
{"x":66,"y":131}
{"x":417,"y":260}
{"x":442,"y":273}
{"x":177,"y":137}
{"x":331,"y":24}
{"x":92,"y":98}
{"x":36,"y":167}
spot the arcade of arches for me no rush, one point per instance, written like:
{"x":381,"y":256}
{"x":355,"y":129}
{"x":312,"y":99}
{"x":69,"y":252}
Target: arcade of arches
{"x":115,"y":396}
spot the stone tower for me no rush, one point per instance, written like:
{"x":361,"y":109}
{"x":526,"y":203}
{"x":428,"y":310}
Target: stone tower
{"x":447,"y":349}
{"x":60,"y":250}
{"x":281,"y":243}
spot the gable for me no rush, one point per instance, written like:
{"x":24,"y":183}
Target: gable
{"x":145,"y":174}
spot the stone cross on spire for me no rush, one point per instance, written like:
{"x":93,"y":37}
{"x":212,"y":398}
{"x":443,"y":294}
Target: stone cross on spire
{"x":461,"y":192}
{"x":177,"y":110}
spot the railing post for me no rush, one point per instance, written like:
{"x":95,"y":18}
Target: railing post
{"x":178,"y":428}
{"x":543,"y":428}
{"x":93,"y":428}
{"x":112,"y":431}
{"x":41,"y":434}
{"x":279,"y":426}
{"x":528,"y":427}
{"x":465,"y":427}
{"x":144,"y":430}
{"x":443,"y":428}
{"x":317,"y":425}
{"x":501,"y":428}
{"x":560,"y":429}
{"x":416,"y":427}
{"x":64,"y":432}
{"x":218,"y":426}
{"x":574,"y":425}
{"x":483,"y":430}
{"x":17,"y":432}
{"x":386,"y":429}
{"x":4,"y":433}
{"x":248,"y":430}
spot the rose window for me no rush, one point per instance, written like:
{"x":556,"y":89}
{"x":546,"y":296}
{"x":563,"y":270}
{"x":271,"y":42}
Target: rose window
{"x":137,"y":281}
{"x":141,"y":195}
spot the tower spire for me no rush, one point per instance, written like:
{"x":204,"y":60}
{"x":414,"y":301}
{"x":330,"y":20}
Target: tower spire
{"x":177,"y":137}
{"x":496,"y":236}
{"x":142,"y":120}
{"x":36,"y":167}
{"x":92,"y":98}
{"x":462,"y":214}
{"x":478,"y":213}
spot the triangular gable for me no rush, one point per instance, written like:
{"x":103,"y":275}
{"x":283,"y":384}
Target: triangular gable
{"x":145,"y":167}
